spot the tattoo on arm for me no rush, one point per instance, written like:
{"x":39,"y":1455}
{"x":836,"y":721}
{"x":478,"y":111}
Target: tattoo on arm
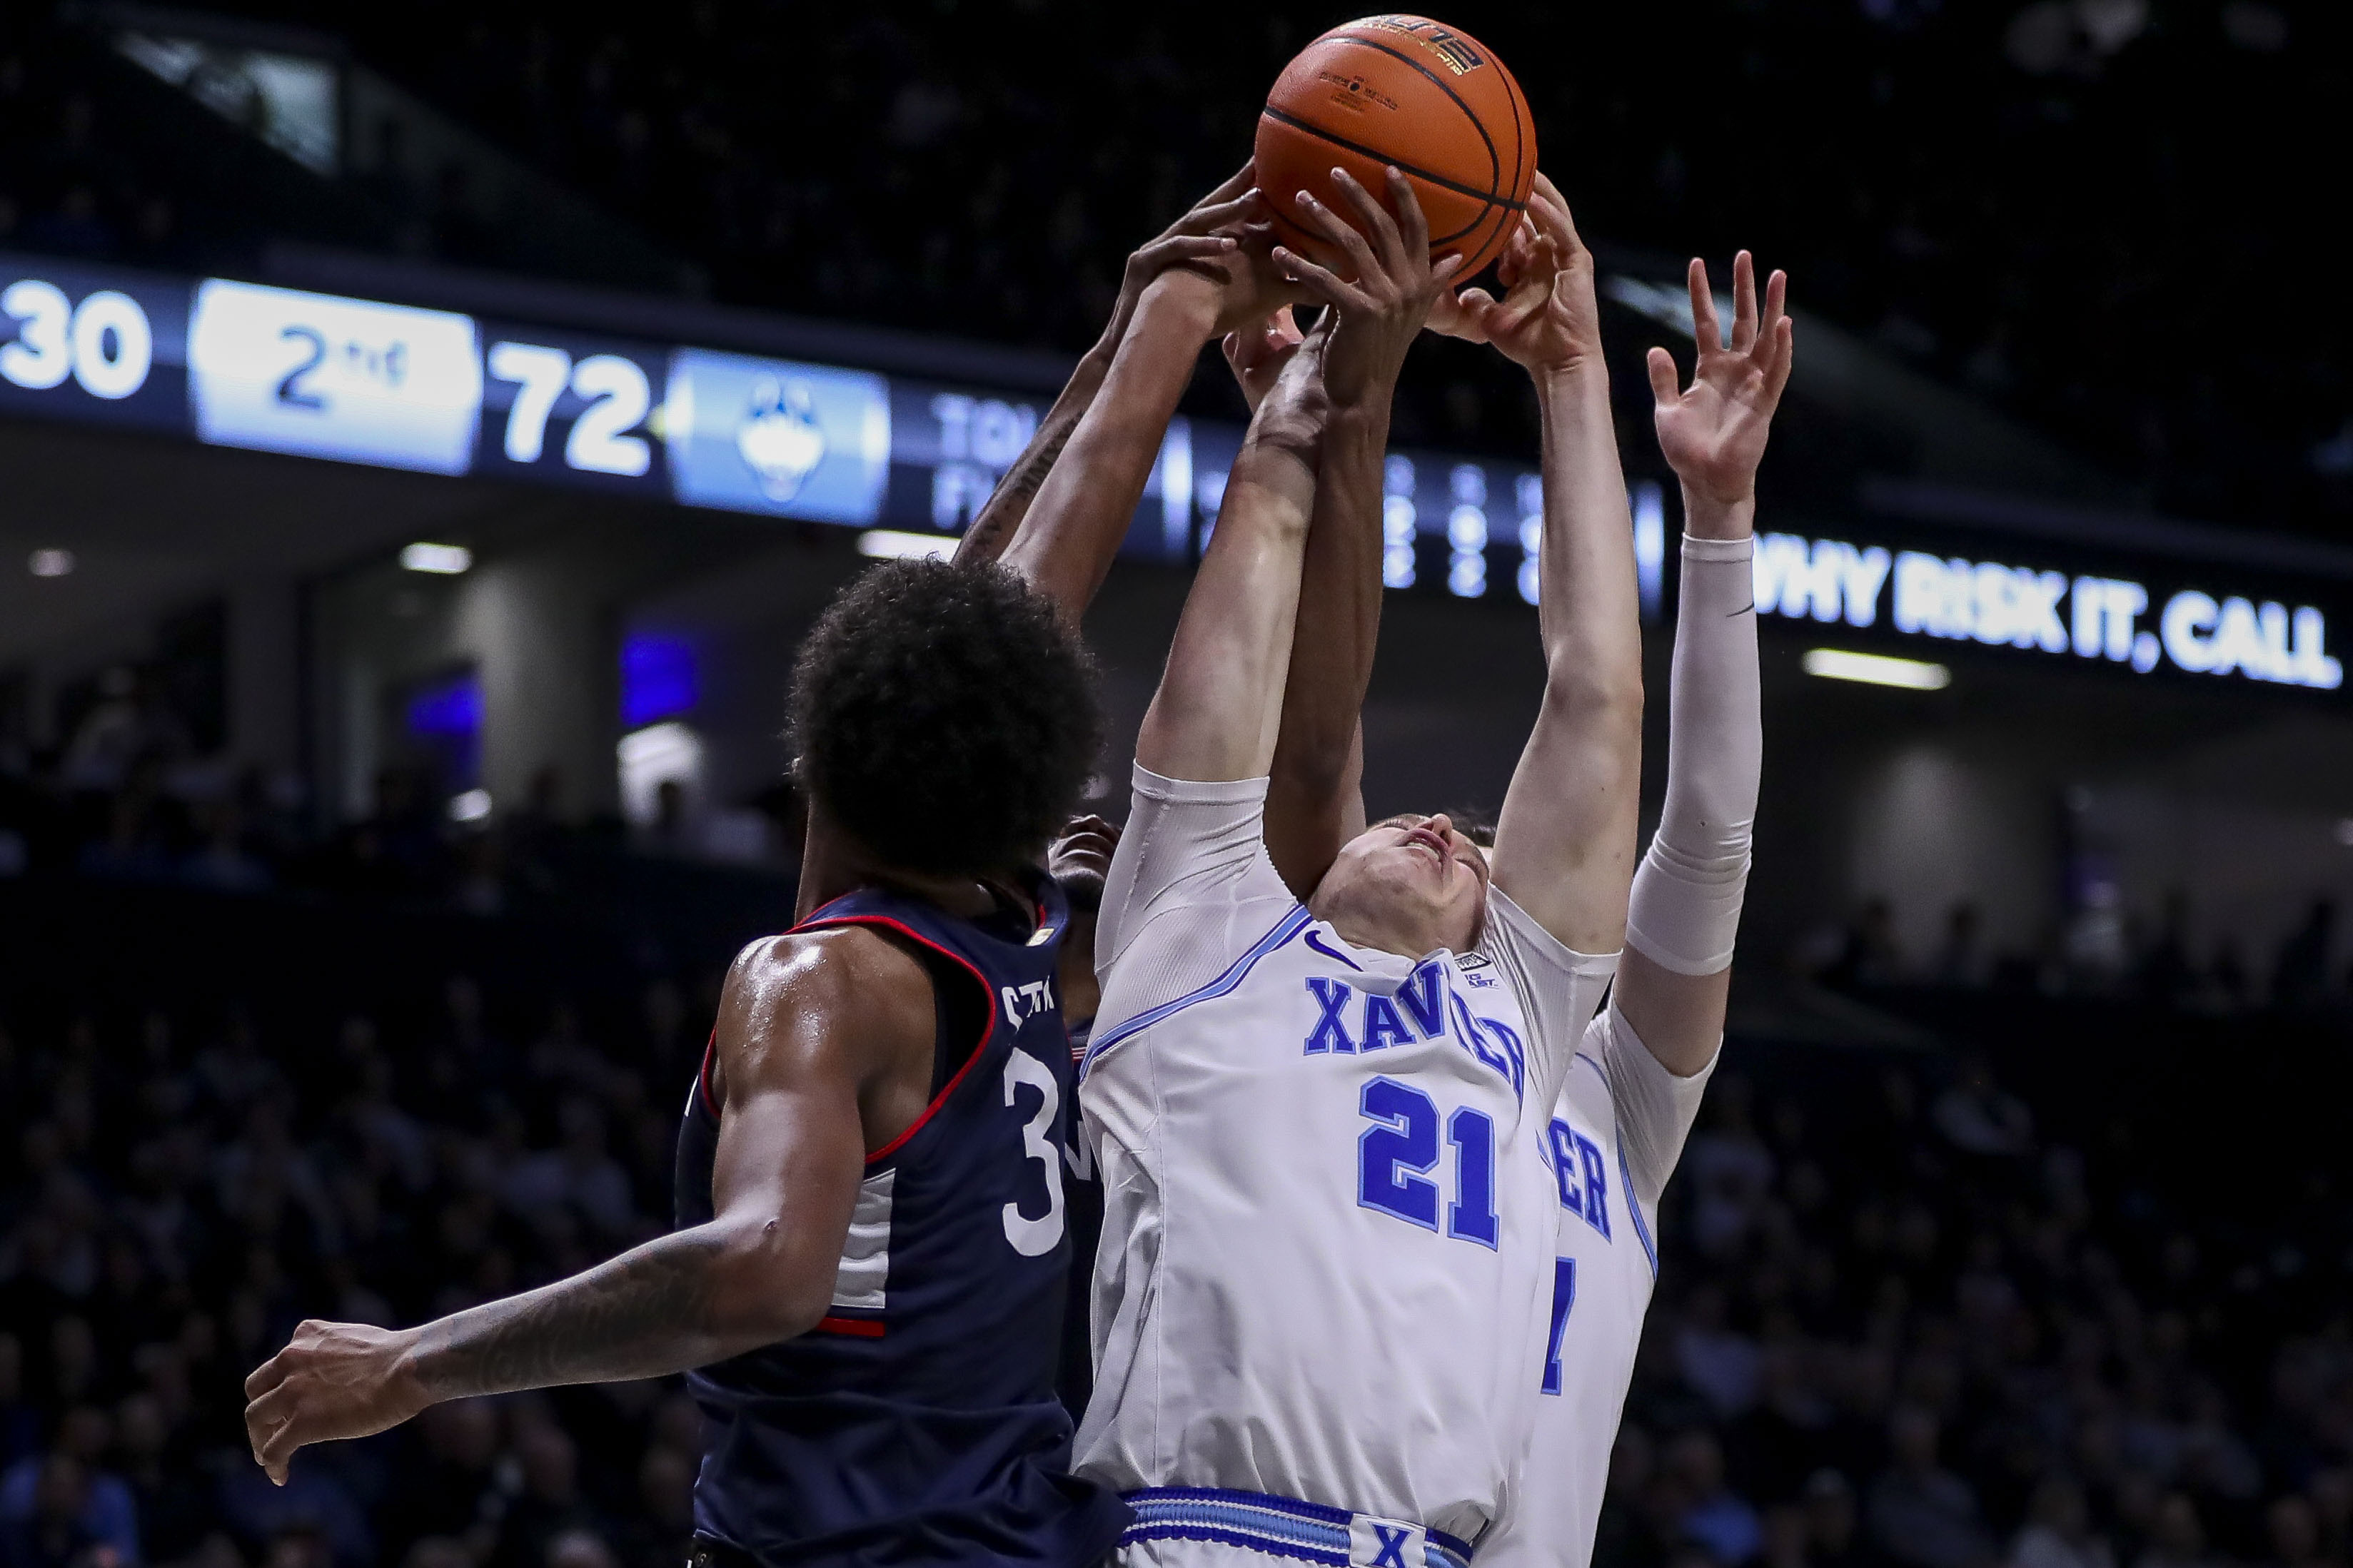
{"x":646,"y":1313}
{"x":1000,"y":516}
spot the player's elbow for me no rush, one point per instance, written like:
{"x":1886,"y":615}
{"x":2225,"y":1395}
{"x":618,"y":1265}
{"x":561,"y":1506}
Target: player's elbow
{"x":1601,"y":698}
{"x":766,"y":1287}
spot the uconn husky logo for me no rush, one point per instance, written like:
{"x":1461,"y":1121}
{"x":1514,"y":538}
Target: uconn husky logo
{"x":1350,"y":1021}
{"x":780,"y":440}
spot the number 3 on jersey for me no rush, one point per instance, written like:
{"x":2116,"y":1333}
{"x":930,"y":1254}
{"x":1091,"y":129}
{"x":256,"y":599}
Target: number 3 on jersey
{"x":1396,"y":1154}
{"x":1035,"y":1237}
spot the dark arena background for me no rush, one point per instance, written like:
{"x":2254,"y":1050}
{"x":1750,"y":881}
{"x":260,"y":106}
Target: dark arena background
{"x":396,"y":616}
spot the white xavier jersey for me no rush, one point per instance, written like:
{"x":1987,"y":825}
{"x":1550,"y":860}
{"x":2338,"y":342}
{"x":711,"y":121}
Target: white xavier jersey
{"x":1615,"y":1136}
{"x":1327,"y":1232}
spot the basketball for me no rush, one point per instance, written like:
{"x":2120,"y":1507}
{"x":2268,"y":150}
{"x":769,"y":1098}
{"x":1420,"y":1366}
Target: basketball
{"x":1408,"y":92}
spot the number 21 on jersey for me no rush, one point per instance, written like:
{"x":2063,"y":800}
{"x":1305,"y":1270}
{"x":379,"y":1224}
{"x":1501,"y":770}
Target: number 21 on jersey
{"x":1397,"y":1153}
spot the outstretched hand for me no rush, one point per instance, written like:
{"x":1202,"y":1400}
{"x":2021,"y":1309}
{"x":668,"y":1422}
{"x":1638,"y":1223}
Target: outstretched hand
{"x":1713,"y":433}
{"x":1257,"y":353}
{"x":1549,"y":320}
{"x":1210,"y":231}
{"x":1383,"y":307}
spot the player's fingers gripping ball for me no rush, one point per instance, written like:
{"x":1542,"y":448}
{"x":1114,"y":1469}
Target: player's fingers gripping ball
{"x":1402,"y":90}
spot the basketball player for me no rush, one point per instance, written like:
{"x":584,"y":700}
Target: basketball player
{"x":1634,"y":1088}
{"x":899,"y":1422}
{"x":1058,"y":516}
{"x":871,"y":1259}
{"x":1328,"y":1235}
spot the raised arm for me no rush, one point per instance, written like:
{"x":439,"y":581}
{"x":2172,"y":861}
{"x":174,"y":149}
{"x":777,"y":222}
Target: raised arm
{"x":1315,"y":801}
{"x":1079,"y":558}
{"x":1066,"y":542}
{"x":809,"y":1030}
{"x":1565,"y":846}
{"x":1222,"y":698}
{"x":1686,"y":905}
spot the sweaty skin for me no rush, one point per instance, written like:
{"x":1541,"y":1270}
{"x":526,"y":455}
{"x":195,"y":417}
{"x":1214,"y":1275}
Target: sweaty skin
{"x":824,"y":1046}
{"x":823,"y":1053}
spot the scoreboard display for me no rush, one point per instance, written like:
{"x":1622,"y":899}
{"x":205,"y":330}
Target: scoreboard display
{"x":399,"y":387}
{"x":434,"y":391}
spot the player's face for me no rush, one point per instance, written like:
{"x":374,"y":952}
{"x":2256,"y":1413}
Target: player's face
{"x":1411,"y":883}
{"x":1079,"y":859}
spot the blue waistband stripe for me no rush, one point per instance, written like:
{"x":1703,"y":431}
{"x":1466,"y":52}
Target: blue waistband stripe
{"x":1276,"y":1526}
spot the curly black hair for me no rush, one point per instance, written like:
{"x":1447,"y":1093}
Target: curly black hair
{"x":944,"y":716}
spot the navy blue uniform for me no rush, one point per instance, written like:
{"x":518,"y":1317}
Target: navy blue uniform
{"x":918,"y":1422}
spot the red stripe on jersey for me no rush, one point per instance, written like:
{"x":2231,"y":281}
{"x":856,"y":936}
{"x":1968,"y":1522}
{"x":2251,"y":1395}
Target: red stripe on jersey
{"x":862,"y":1328}
{"x":702,"y":1073}
{"x":988,"y":997}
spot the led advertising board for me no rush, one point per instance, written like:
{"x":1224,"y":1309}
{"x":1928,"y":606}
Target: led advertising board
{"x":360,"y":381}
{"x":2189,"y":623}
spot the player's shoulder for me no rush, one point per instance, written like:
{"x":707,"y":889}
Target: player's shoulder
{"x":832,"y":966}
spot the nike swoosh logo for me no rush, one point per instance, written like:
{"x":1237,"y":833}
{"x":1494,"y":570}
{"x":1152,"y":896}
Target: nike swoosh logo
{"x":1316,"y":942}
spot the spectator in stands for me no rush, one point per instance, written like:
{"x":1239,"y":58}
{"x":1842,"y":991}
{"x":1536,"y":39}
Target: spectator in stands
{"x":1834,"y":1537}
{"x":2058,"y":1532}
{"x":1977,"y":1117}
{"x":2293,"y":1532}
{"x":1710,"y":1515}
{"x":1920,"y":1513}
{"x":63,"y":1495}
{"x":2176,"y":1538}
{"x":578,"y":1181}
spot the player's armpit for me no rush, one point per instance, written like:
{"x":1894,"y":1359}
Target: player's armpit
{"x":1679,"y":1016}
{"x":1655,"y":1107}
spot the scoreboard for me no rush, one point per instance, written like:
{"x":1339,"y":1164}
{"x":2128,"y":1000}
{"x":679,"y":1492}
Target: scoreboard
{"x":361,"y":381}
{"x":434,"y":391}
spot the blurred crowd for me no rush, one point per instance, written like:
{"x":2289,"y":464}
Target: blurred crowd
{"x":2070,"y":207}
{"x":128,"y":797}
{"x":184,"y":1184}
{"x":1884,"y":1338}
{"x":2099,"y":951}
{"x":1907,"y":1316}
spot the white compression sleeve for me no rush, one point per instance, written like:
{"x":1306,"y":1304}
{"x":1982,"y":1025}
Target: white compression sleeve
{"x":1684,"y":907}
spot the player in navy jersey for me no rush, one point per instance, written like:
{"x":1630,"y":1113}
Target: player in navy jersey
{"x":871,"y":1261}
{"x":872,"y":1247}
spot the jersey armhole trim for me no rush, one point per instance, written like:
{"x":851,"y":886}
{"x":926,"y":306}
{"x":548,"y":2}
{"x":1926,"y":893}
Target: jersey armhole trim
{"x":1634,"y":1201}
{"x":702,"y":1073}
{"x":987,"y":1033}
{"x":1291,"y":925}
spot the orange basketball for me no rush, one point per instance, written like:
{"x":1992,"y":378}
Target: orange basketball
{"x":1432,"y":100}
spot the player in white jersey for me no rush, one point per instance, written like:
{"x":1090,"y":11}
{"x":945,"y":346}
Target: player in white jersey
{"x":1630,"y":1096}
{"x":1328,"y":1233}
